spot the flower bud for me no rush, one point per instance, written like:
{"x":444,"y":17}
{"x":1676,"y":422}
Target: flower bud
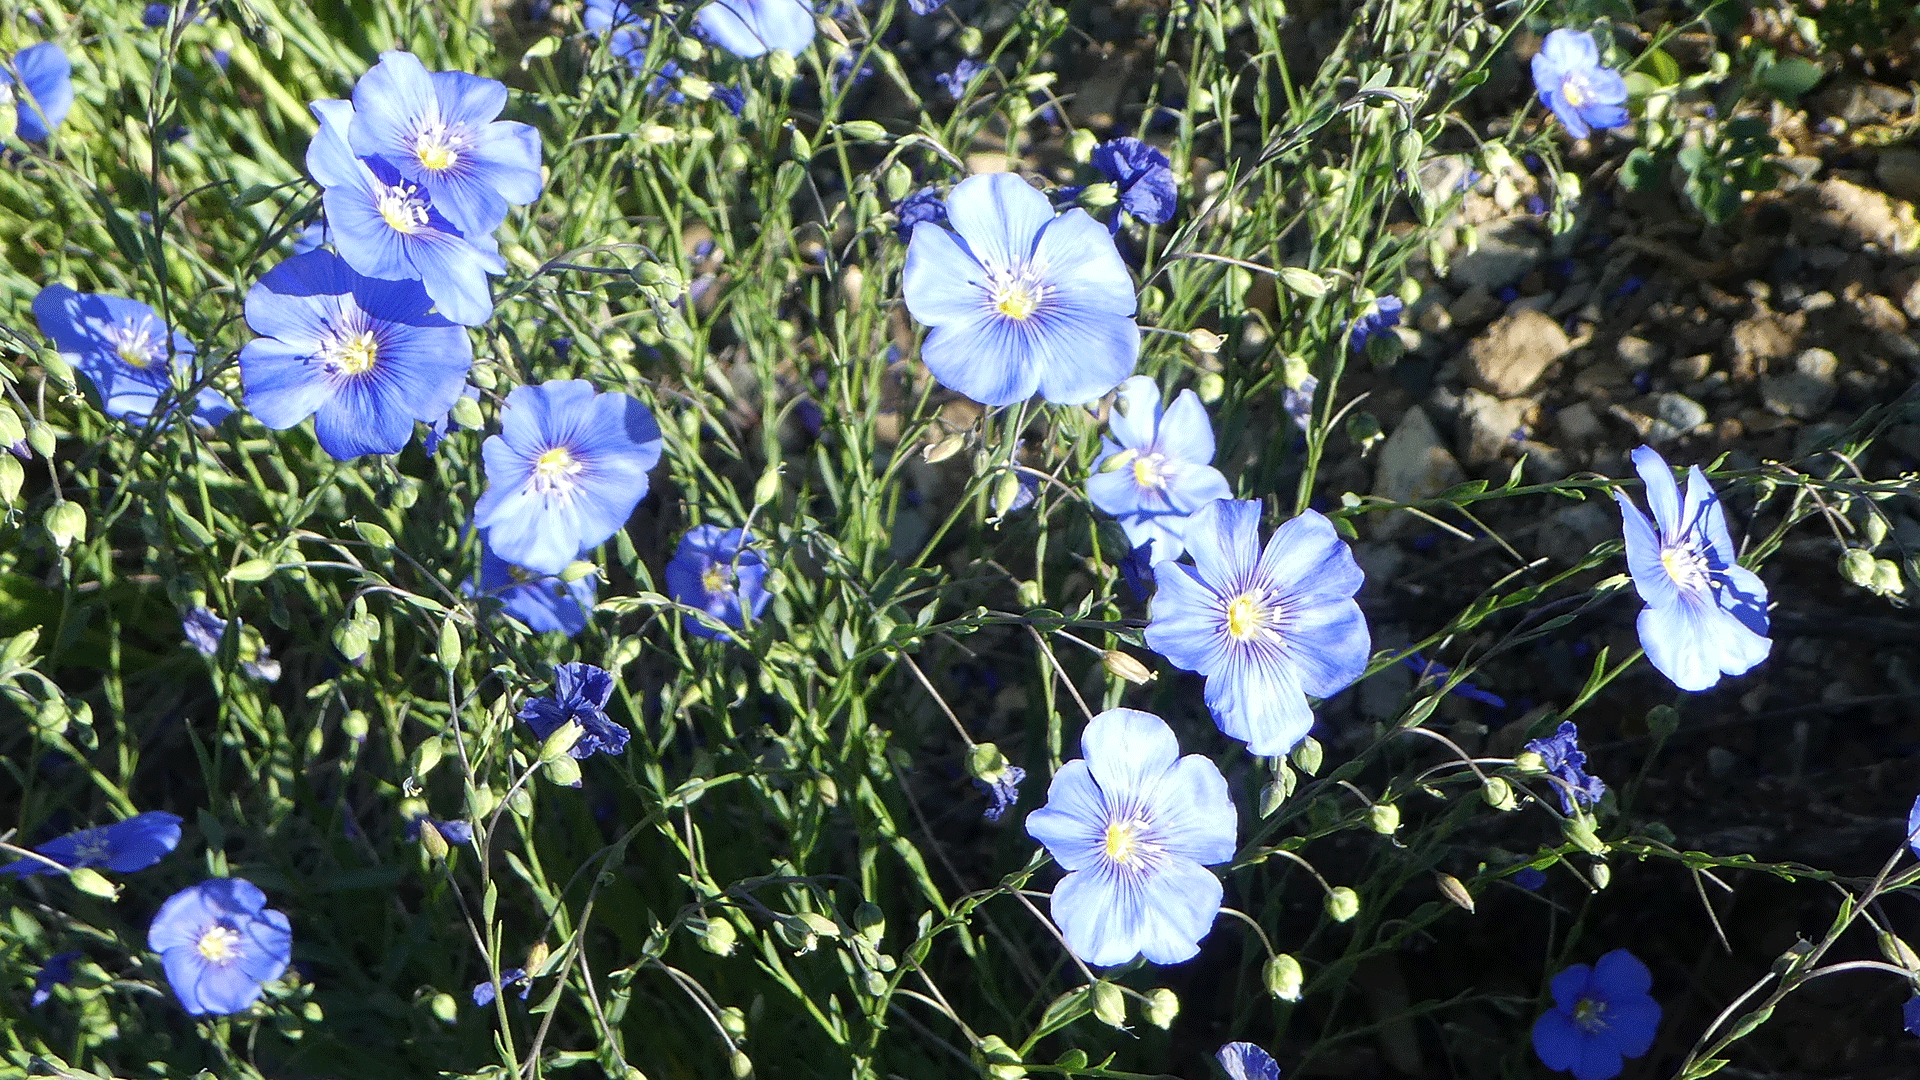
{"x":1162,"y":1006}
{"x":1342,"y":903}
{"x":563,"y":771}
{"x":434,"y":844}
{"x":1384,"y":818}
{"x":766,"y":490}
{"x":561,"y":740}
{"x":578,"y":569}
{"x":65,"y":522}
{"x":1308,"y":755}
{"x":863,"y":130}
{"x":444,"y":1008}
{"x":741,"y":1064}
{"x":39,"y":439}
{"x":1886,"y":578}
{"x":1109,"y":1005}
{"x":1211,"y":387}
{"x":93,"y":883}
{"x":1898,"y":952}
{"x":934,"y":453}
{"x":1001,"y":1061}
{"x":1283,"y":977}
{"x":970,"y":39}
{"x":1099,"y":196}
{"x":734,"y":1022}
{"x":869,"y":922}
{"x":1452,"y":888}
{"x":537,"y":958}
{"x":1081,"y":145}
{"x":1498,"y":793}
{"x":781,"y":65}
{"x":12,"y":476}
{"x":1875,"y":527}
{"x":1856,"y":566}
{"x":695,"y":87}
{"x":1602,"y":875}
{"x":1528,"y":761}
{"x":985,"y":761}
{"x":1205,"y":340}
{"x":717,"y":935}
{"x":1127,"y":667}
{"x":1579,"y":829}
{"x":1302,"y":282}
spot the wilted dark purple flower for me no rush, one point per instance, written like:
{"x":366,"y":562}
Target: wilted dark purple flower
{"x":1566,"y":762}
{"x":923,"y":205}
{"x":1003,"y":791}
{"x":580,"y":694}
{"x":485,"y":992}
{"x":955,"y":82}
{"x":1143,"y":176}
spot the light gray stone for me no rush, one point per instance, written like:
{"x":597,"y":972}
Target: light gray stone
{"x":1413,"y":465}
{"x":1569,"y":533}
{"x":1506,"y":250}
{"x":1806,"y":390}
{"x":1579,"y":424}
{"x":1679,"y":412}
{"x":1639,"y":353}
{"x":1510,"y":356}
{"x":1488,"y":425}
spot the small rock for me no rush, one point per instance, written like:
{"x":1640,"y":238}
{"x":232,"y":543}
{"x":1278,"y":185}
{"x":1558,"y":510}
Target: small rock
{"x":1413,"y":464}
{"x":1639,"y":353}
{"x":1905,"y":291}
{"x":1691,"y":369}
{"x":1474,"y":307}
{"x":1679,"y":412}
{"x":1876,"y":312}
{"x":1762,"y":338}
{"x":1898,"y":170}
{"x":1857,"y":215}
{"x":1510,"y":356}
{"x":1488,"y":426}
{"x":1805,"y":391}
{"x":1507,"y":249}
{"x":1570,"y":533}
{"x":1545,"y":464}
{"x":1579,"y":424}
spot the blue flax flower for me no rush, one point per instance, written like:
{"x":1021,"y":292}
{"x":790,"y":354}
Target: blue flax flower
{"x":1267,"y":628}
{"x":1378,"y":320}
{"x":122,"y":847}
{"x":220,"y":943}
{"x":57,"y":971}
{"x":1160,"y":470}
{"x":485,"y":992}
{"x":565,"y":472}
{"x":365,"y":358}
{"x":1600,"y":1015}
{"x":1245,"y":1061}
{"x":1706,"y":614}
{"x":1571,"y":82}
{"x":1566,"y":762}
{"x":1002,"y":792}
{"x":440,"y":427}
{"x":438,"y":130}
{"x":121,"y":346}
{"x":955,"y":82}
{"x":626,"y":34}
{"x":1143,"y":176}
{"x":1910,"y":1015}
{"x":44,"y":92}
{"x":1135,"y":825}
{"x":386,"y":226}
{"x":718,"y":571}
{"x":580,"y":694}
{"x":540,"y":602}
{"x":923,"y":205}
{"x":733,"y":97}
{"x":750,"y":28}
{"x":203,"y":630}
{"x":1020,"y":299}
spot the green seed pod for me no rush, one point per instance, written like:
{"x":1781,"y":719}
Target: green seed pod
{"x":93,"y":883}
{"x":1342,"y":903}
{"x":1663,"y":721}
{"x":1308,"y":755}
{"x":1205,"y":341}
{"x":1384,"y":818}
{"x":434,"y":844}
{"x":1283,"y":977}
{"x":563,"y":771}
{"x":444,"y":1008}
{"x":1109,"y":1005}
{"x":40,"y":439}
{"x":466,"y":413}
{"x":870,"y":923}
{"x":718,"y":937}
{"x":1162,"y":1006}
{"x":65,"y":522}
{"x":734,"y":1022}
{"x":1886,"y":578}
{"x":780,"y":65}
{"x":741,"y":1064}
{"x":1602,"y":875}
{"x":561,"y":740}
{"x":1856,"y":566}
{"x":1499,"y":794}
{"x":1211,"y":387}
{"x":1303,"y":283}
{"x":12,"y":477}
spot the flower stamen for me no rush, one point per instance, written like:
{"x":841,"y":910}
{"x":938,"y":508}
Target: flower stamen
{"x":1150,"y":471}
{"x":402,"y":208}
{"x":1123,"y":843}
{"x":1590,"y":1015}
{"x":555,"y":471}
{"x":354,"y":355}
{"x":435,"y":150}
{"x":1687,"y":567}
{"x":219,"y":944}
{"x":1248,"y":614}
{"x":717,"y":579}
{"x":1577,"y":89}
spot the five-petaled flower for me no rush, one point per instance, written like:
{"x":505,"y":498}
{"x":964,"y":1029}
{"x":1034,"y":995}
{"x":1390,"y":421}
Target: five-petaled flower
{"x":1571,"y":82}
{"x":122,"y":847}
{"x":750,"y":28}
{"x":1135,"y":825}
{"x":44,"y":92}
{"x":1561,"y":756}
{"x":122,"y":347}
{"x":1266,"y":627}
{"x":1706,"y":615}
{"x":219,"y":944}
{"x":719,"y":572}
{"x":580,"y":694}
{"x":1020,"y":299}
{"x":386,"y":226}
{"x":1159,"y":470}
{"x":540,"y":602}
{"x":565,"y":472}
{"x":366,"y":358}
{"x":1246,"y":1061}
{"x":1601,"y":1015}
{"x":1143,"y":177}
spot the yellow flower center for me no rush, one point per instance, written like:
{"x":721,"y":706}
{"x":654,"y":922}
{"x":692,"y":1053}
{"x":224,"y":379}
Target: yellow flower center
{"x":1123,"y":842}
{"x":717,"y":579}
{"x":134,"y":345}
{"x":1247,"y":615}
{"x":555,"y":469}
{"x":1149,"y":471}
{"x":1590,"y":1015}
{"x":1687,"y":569}
{"x":1576,"y":89}
{"x":355,"y":355}
{"x":220,"y":943}
{"x":435,"y":151}
{"x":401,"y":208}
{"x":1017,"y":299}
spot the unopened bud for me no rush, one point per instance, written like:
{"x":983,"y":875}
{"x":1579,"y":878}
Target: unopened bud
{"x":1527,"y":761}
{"x":1081,"y":145}
{"x":1162,"y":1006}
{"x":1271,"y":796}
{"x":1452,"y":888}
{"x":741,"y":1065}
{"x":1211,"y":387}
{"x":1283,"y":977}
{"x":781,"y":65}
{"x":537,"y":958}
{"x":1602,"y":875}
{"x":40,"y":439}
{"x":561,"y":740}
{"x":869,"y":922}
{"x":1498,"y":793}
{"x":717,"y":936}
{"x":1302,"y":282}
{"x":1875,"y":528}
{"x":65,"y":522}
{"x":1001,"y":1061}
{"x":1579,"y":829}
{"x":1898,"y":952}
{"x":695,"y":87}
{"x":93,"y":883}
{"x":1205,"y":340}
{"x":13,"y":476}
{"x":1109,"y":1005}
{"x":1663,"y":721}
{"x":563,"y":771}
{"x":970,"y":39}
{"x":733,"y":1021}
{"x":1099,"y":196}
{"x":1886,"y":578}
{"x":1308,"y":755}
{"x":577,"y":569}
{"x":934,"y":453}
{"x":444,"y":1008}
{"x":1127,"y":667}
{"x":1384,"y":818}
{"x":766,"y":490}
{"x":1342,"y":903}
{"x":431,"y":841}
{"x":1857,"y":567}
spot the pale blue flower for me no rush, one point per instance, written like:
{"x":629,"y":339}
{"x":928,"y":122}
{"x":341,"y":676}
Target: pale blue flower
{"x":540,"y":602}
{"x":1157,"y":469}
{"x":1571,"y":82}
{"x":1706,"y":615}
{"x":750,"y":28}
{"x":1266,"y":627}
{"x":1135,"y":825}
{"x":219,"y":944}
{"x":44,"y":93}
{"x":1020,"y":300}
{"x":122,"y":346}
{"x":122,"y":847}
{"x":718,"y":571}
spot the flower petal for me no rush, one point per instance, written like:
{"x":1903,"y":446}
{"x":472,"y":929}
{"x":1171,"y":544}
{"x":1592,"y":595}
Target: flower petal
{"x":1178,"y":905}
{"x":1080,"y":264}
{"x":942,"y":284}
{"x":1224,"y":539}
{"x":1186,"y":434}
{"x":1556,"y":1040}
{"x":1193,"y":814}
{"x":1327,"y":645}
{"x":1000,"y":217}
{"x":1128,"y":751}
{"x":1570,"y":985}
{"x":984,"y":359}
{"x":1650,"y":577}
{"x":1186,"y":619}
{"x":1309,"y":563}
{"x":1073,"y":824}
{"x":1663,"y":494}
{"x":1259,"y":703}
{"x":1134,"y":419}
